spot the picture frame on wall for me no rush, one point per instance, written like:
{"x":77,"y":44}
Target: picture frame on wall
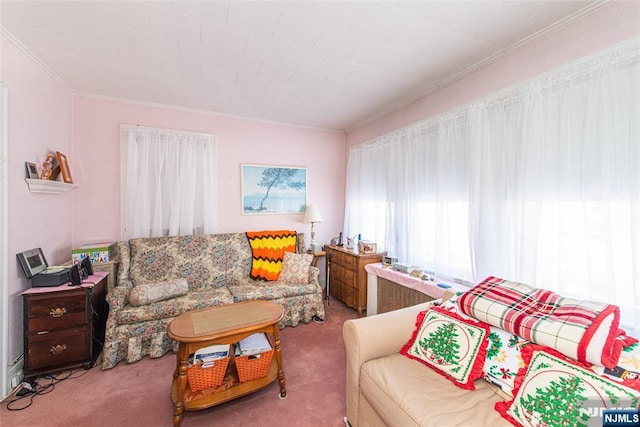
{"x":273,"y":189}
{"x":64,"y":167}
{"x":31,"y":170}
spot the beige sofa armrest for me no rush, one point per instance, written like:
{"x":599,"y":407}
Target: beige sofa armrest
{"x":369,"y":338}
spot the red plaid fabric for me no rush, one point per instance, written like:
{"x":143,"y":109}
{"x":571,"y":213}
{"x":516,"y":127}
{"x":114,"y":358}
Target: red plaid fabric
{"x":583,"y":330}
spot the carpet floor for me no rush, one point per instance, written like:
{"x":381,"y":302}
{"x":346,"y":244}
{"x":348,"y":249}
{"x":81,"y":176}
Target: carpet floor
{"x":138,"y":394}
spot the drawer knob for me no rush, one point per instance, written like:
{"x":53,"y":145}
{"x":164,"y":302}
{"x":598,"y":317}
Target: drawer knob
{"x":57,"y":312}
{"x":57,"y":349}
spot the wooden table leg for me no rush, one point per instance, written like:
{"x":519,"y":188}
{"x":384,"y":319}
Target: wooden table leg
{"x":180,"y":383}
{"x":278,"y":354}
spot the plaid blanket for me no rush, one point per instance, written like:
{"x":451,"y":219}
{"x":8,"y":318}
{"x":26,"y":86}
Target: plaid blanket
{"x":583,"y":330}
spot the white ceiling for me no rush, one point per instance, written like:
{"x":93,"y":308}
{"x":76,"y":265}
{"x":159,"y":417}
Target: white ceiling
{"x":326,"y":64}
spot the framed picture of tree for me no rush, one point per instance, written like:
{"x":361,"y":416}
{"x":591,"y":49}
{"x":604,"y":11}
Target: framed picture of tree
{"x":273,"y":189}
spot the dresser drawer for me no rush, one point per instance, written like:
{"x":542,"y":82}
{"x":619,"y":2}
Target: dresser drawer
{"x":57,"y":348}
{"x":349,"y":296}
{"x":346,"y":260}
{"x":345,"y":275}
{"x":51,"y":313}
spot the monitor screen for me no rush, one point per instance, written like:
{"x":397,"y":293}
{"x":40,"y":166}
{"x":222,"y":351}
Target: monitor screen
{"x":35,"y":261}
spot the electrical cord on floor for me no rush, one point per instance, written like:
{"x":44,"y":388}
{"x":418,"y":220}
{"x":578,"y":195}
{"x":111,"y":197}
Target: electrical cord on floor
{"x":42,"y":385}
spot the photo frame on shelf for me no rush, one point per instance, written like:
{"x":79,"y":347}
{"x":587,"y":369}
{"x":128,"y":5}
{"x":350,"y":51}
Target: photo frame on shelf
{"x":273,"y":189}
{"x":63,"y":162}
{"x":31,"y":170}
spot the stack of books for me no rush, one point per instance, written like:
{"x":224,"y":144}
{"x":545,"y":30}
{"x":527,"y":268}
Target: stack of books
{"x":253,"y":345}
{"x":208,"y":355}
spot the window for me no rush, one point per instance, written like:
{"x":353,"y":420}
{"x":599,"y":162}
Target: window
{"x":168,"y":182}
{"x":540,"y":185}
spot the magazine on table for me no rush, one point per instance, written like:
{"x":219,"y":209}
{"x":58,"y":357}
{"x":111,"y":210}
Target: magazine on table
{"x":208,"y":355}
{"x":252,"y":345}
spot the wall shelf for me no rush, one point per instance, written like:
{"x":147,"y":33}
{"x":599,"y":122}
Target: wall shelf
{"x":49,"y":187}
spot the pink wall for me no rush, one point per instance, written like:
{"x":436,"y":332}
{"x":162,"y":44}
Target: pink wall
{"x":39,"y":121}
{"x":96,"y":166}
{"x":613,"y":23}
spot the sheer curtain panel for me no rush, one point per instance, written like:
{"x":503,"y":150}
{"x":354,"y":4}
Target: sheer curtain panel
{"x":538,"y":184}
{"x":168,"y":182}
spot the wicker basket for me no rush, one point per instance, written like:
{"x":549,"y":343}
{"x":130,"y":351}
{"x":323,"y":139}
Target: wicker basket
{"x":252,"y":367}
{"x":201,"y":378}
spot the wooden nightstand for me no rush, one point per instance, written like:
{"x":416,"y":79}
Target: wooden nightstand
{"x":64,"y":326}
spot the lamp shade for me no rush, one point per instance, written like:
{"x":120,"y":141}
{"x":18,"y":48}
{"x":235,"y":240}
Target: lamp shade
{"x":312,"y":214}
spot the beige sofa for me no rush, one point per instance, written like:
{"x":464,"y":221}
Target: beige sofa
{"x":385,"y":388}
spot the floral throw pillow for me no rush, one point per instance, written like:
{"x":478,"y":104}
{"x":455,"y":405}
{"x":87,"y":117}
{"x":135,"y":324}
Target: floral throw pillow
{"x":554,"y":390}
{"x":452,"y":346}
{"x":147,"y":293}
{"x":295,"y":268}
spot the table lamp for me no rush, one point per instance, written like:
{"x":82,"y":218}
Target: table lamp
{"x":312,"y":215}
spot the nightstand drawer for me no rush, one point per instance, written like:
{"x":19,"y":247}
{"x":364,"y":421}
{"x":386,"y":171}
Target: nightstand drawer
{"x":57,"y":348}
{"x":51,"y":313}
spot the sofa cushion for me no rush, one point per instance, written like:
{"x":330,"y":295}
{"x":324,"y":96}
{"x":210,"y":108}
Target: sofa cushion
{"x":455,"y":347}
{"x":249,"y":289}
{"x":295,"y":268}
{"x":174,"y":306}
{"x":406,"y":394}
{"x":556,"y":391}
{"x":159,"y":291}
{"x":268,"y":249}
{"x":199,"y":259}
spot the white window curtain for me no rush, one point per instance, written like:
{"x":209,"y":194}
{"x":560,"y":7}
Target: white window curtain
{"x":540,"y":184}
{"x":168,"y":182}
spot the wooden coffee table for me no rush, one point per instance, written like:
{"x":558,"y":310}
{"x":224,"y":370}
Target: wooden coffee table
{"x":224,"y":324}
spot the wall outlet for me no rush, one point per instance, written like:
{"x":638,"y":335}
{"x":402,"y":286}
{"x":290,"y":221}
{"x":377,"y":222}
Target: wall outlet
{"x":16,"y":380}
{"x":15,"y":372}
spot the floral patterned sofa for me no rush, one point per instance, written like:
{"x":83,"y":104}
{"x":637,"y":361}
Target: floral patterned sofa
{"x":216,"y":268}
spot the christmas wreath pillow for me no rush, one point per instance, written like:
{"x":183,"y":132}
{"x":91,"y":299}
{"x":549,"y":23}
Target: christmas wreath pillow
{"x":451,"y":345}
{"x":553,"y":390}
{"x":504,"y":359}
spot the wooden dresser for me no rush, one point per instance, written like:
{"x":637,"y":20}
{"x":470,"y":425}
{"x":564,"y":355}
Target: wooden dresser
{"x":64,"y":326}
{"x":347,"y":278}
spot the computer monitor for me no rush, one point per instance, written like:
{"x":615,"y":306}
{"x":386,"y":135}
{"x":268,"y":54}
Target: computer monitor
{"x":32,"y":261}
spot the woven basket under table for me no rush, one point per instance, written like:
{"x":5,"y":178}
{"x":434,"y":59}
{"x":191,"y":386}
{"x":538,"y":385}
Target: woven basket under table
{"x":252,"y":367}
{"x":201,"y":378}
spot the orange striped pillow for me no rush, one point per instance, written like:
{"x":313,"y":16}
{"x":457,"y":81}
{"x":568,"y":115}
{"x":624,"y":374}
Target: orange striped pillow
{"x":267,"y":249}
